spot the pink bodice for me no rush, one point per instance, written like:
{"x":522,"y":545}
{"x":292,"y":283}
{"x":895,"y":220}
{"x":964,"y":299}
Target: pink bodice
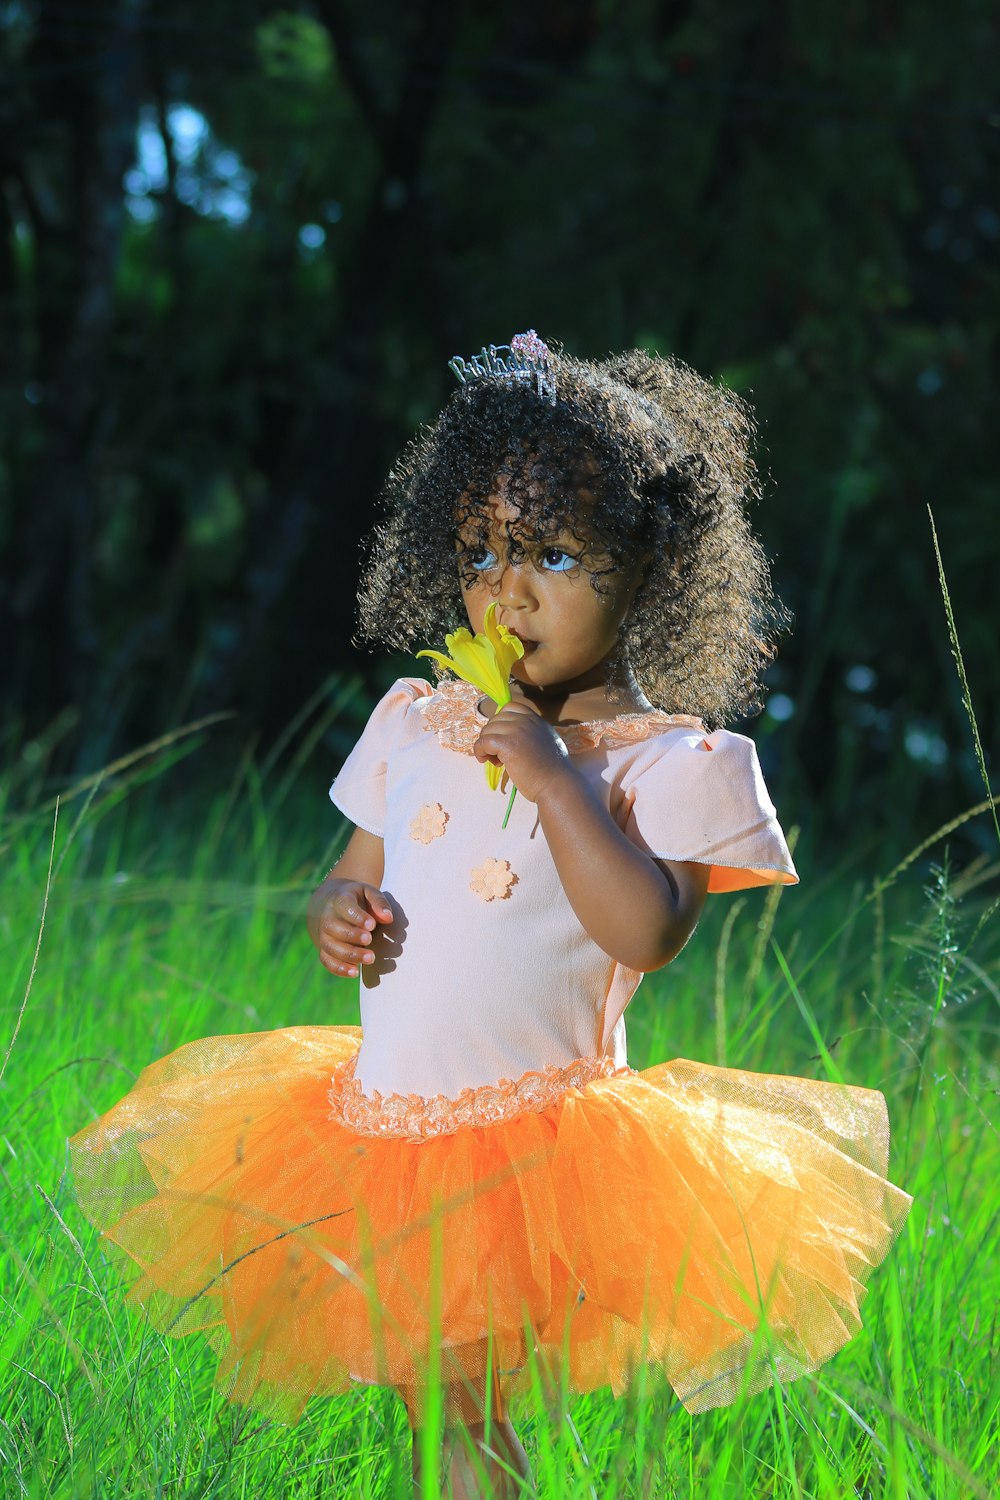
{"x":486,"y":973}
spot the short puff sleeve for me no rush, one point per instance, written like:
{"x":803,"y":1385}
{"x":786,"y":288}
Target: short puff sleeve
{"x":702,"y":797}
{"x":359,"y":788}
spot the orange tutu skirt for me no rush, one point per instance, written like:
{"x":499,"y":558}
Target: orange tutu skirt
{"x":718,"y":1224}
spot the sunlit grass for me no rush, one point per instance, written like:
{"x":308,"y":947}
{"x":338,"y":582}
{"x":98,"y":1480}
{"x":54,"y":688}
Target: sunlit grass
{"x":161,"y":928}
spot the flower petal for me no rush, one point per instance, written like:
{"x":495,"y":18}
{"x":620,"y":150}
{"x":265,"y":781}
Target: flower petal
{"x":458,"y":637}
{"x":484,"y":660}
{"x":490,"y":627}
{"x":506,"y":646}
{"x":476,"y":662}
{"x":445,"y":661}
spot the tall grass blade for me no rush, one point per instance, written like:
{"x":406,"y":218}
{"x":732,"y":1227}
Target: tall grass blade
{"x":720,"y":981}
{"x":956,"y":651}
{"x":38,"y":942}
{"x":766,"y":925}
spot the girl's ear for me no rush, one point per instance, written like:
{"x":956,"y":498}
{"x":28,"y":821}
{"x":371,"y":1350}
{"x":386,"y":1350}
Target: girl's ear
{"x":631,"y":585}
{"x":638,"y":574}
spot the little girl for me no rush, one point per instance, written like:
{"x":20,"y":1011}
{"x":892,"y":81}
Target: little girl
{"x":476,"y":1174}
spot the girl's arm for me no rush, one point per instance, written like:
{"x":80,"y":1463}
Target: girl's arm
{"x":343,"y":910}
{"x":640,"y":910}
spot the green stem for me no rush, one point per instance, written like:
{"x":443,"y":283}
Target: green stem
{"x":510,"y":804}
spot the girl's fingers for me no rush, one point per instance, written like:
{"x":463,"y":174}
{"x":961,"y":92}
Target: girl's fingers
{"x":343,"y":960}
{"x":378,"y":904}
{"x":352,"y":914}
{"x":344,"y":948}
{"x":346,"y":929}
{"x":333,"y":930}
{"x":481,"y":753}
{"x":378,"y":908}
{"x":334,"y":966}
{"x":518,"y":706}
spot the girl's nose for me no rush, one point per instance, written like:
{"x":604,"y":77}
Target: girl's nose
{"x":515,"y":586}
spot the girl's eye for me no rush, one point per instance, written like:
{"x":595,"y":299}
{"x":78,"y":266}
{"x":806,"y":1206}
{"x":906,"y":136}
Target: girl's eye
{"x":555,"y":560}
{"x":482,"y":559}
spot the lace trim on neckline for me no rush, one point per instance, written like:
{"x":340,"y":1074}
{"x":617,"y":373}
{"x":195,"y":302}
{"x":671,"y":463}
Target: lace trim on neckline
{"x":416,"y":1117}
{"x":452,"y":712}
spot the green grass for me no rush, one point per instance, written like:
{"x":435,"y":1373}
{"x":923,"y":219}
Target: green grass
{"x":160,"y":928}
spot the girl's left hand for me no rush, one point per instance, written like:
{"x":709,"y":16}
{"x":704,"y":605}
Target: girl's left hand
{"x":529,"y":749}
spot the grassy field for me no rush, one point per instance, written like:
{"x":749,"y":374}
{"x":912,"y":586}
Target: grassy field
{"x":159,"y":928}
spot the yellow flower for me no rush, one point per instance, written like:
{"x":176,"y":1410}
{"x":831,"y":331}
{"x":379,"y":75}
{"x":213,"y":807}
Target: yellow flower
{"x":485,"y":660}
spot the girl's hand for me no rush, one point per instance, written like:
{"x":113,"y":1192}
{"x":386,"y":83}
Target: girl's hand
{"x":345,"y":916}
{"x":529,"y":749}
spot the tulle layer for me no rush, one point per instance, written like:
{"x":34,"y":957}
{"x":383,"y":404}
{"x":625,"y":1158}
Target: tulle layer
{"x":717,"y":1223}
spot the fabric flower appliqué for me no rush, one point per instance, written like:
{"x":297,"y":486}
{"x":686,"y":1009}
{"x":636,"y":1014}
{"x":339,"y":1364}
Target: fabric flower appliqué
{"x":493,"y":880}
{"x":429,"y":823}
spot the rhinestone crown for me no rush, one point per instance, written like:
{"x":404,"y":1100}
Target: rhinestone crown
{"x":526,"y":357}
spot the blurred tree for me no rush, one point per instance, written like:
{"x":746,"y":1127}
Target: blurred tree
{"x":239,"y":242}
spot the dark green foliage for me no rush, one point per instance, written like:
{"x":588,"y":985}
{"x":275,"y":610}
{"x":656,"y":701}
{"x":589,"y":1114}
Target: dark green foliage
{"x":208,"y":371}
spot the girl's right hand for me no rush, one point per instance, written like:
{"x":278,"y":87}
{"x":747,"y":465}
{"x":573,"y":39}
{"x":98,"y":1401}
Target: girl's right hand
{"x":346,"y":921}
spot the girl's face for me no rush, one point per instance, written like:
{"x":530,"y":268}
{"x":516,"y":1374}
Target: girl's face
{"x":545,"y":597}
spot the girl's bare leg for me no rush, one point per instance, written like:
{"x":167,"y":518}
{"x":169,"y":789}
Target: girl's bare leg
{"x":461,"y":1476}
{"x":464,"y":1479}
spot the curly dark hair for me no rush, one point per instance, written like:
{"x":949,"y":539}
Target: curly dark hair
{"x":643,"y":460}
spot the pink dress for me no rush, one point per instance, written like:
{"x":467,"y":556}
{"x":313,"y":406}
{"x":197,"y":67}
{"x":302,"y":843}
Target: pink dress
{"x":486,"y":972}
{"x":476,"y":1177}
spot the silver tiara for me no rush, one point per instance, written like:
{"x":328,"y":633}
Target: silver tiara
{"x":526,"y":357}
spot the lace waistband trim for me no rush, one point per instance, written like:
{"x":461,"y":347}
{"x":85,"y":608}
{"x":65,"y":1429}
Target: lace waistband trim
{"x":415,"y":1117}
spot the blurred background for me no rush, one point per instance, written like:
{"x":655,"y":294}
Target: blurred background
{"x":239,"y":242}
